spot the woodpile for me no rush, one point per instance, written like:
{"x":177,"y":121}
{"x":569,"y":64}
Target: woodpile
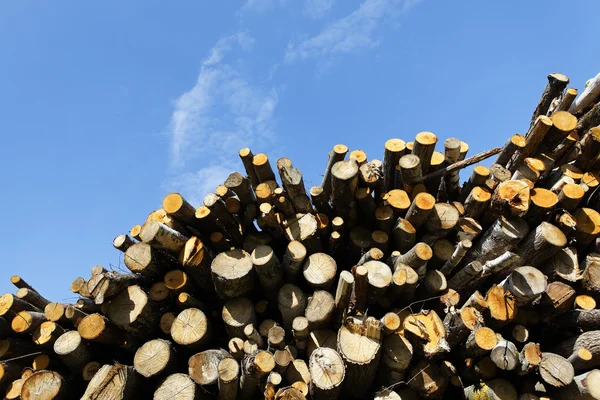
{"x":389,"y":280}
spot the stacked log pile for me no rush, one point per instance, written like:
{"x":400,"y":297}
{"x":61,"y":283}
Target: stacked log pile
{"x":390,"y":280}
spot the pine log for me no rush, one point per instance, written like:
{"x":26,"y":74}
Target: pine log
{"x":327,"y":372}
{"x":359,"y":345}
{"x":73,"y":351}
{"x":119,"y":382}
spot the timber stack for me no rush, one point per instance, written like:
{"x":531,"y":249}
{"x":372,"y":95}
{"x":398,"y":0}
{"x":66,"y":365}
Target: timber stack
{"x":389,"y":280}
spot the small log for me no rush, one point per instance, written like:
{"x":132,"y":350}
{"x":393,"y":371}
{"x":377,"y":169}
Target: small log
{"x":460,"y":323}
{"x":27,"y":321}
{"x":416,"y":258}
{"x":478,"y":178}
{"x":241,"y":186}
{"x":143,"y":259}
{"x":292,"y":303}
{"x":441,"y":220}
{"x":467,"y":274}
{"x":556,"y":84}
{"x":320,"y":307}
{"x":410,"y":170}
{"x":320,"y":200}
{"x":584,"y":387}
{"x":342,"y":296}
{"x":191,"y":328}
{"x":262,"y":167}
{"x":505,"y":355}
{"x":236,"y":314}
{"x":337,"y":154}
{"x":327,"y":372}
{"x":73,"y":351}
{"x":319,"y":270}
{"x":501,"y":306}
{"x":162,"y":237}
{"x":467,"y":229}
{"x":379,"y":278}
{"x":584,"y":302}
{"x":420,"y":208}
{"x":177,"y":208}
{"x":588,"y":97}
{"x":480,"y":341}
{"x":276,"y":337}
{"x":526,"y":284}
{"x":542,"y":202}
{"x":458,"y":254}
{"x":268,"y":269}
{"x":135,"y":232}
{"x":404,"y":235}
{"x":359,"y":345}
{"x":587,"y":226}
{"x":203,"y":366}
{"x":572,"y":347}
{"x":393,"y":150}
{"x":74,"y":315}
{"x":303,"y":229}
{"x":476,"y":202}
{"x":178,"y":386}
{"x":196,"y":259}
{"x":541,"y":244}
{"x":32,"y":297}
{"x":555,"y":370}
{"x":254,"y":369}
{"x":557,"y":299}
{"x":424,"y":146}
{"x":114,"y":382}
{"x":515,"y":143}
{"x":46,"y":385}
{"x":344,"y":182}
{"x":232,"y":274}
{"x":155,"y":358}
{"x":132,"y":311}
{"x":451,"y":155}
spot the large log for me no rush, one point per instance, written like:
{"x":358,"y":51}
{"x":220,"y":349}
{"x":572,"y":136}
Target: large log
{"x":119,"y":382}
{"x":46,"y":385}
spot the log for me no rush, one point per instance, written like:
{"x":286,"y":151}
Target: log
{"x":337,"y":154}
{"x":32,"y":297}
{"x":241,"y":186}
{"x":232,"y":274}
{"x":203,"y":367}
{"x":327,"y":372}
{"x":319,"y":271}
{"x":269,"y":271}
{"x":526,"y":284}
{"x":424,"y":146}
{"x":427,"y":380}
{"x":541,"y":244}
{"x":342,"y":297}
{"x":420,"y":208}
{"x":584,"y":302}
{"x":162,"y":237}
{"x":292,"y":303}
{"x":359,"y":345}
{"x":428,"y":330}
{"x":144,"y":259}
{"x":393,"y":150}
{"x":480,"y":341}
{"x":555,"y":370}
{"x":536,"y":134}
{"x":458,"y":254}
{"x":73,"y":351}
{"x":404,"y":235}
{"x":583,"y":319}
{"x":441,"y":220}
{"x":583,"y":387}
{"x":557,"y":299}
{"x":228,"y":370}
{"x":460,"y":323}
{"x":178,"y":386}
{"x":254,"y":368}
{"x":303,"y":229}
{"x":276,"y":336}
{"x":379,"y":278}
{"x":410,"y":170}
{"x":45,"y":385}
{"x":557,"y":82}
{"x":588,"y":149}
{"x":119,"y":382}
{"x":344,"y":182}
{"x":570,"y":349}
{"x":262,"y":167}
{"x":588,"y":97}
{"x":416,"y":258}
{"x":236,"y":314}
{"x":505,"y":355}
{"x":191,"y":328}
{"x":27,"y":321}
{"x":133,"y":312}
{"x":320,"y":308}
{"x":515,"y":143}
{"x":155,"y":358}
{"x":587,"y":226}
{"x":501,"y":306}
{"x":476,"y":202}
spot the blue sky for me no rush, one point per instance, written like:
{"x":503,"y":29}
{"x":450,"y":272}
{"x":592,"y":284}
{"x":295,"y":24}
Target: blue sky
{"x":107,"y":106}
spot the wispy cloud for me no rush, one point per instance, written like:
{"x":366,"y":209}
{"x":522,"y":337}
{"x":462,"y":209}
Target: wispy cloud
{"x":317,"y":8}
{"x":357,"y":30}
{"x":224,"y":111}
{"x":260,"y":6}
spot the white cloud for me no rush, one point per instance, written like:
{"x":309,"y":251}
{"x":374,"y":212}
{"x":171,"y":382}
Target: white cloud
{"x":350,"y":33}
{"x":224,"y":111}
{"x":317,"y":8}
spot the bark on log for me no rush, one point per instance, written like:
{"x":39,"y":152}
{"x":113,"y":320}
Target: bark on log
{"x":441,"y":220}
{"x":588,"y":97}
{"x":515,"y":143}
{"x":143,"y":259}
{"x":292,"y":303}
{"x":526,"y":284}
{"x":537,"y":132}
{"x":337,"y":154}
{"x":589,"y":341}
{"x":232,"y":274}
{"x":133,"y":311}
{"x":72,"y":350}
{"x":410,"y":171}
{"x":393,"y":150}
{"x":32,"y":297}
{"x":584,"y":387}
{"x":203,"y":366}
{"x":541,"y":244}
{"x":268,"y":269}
